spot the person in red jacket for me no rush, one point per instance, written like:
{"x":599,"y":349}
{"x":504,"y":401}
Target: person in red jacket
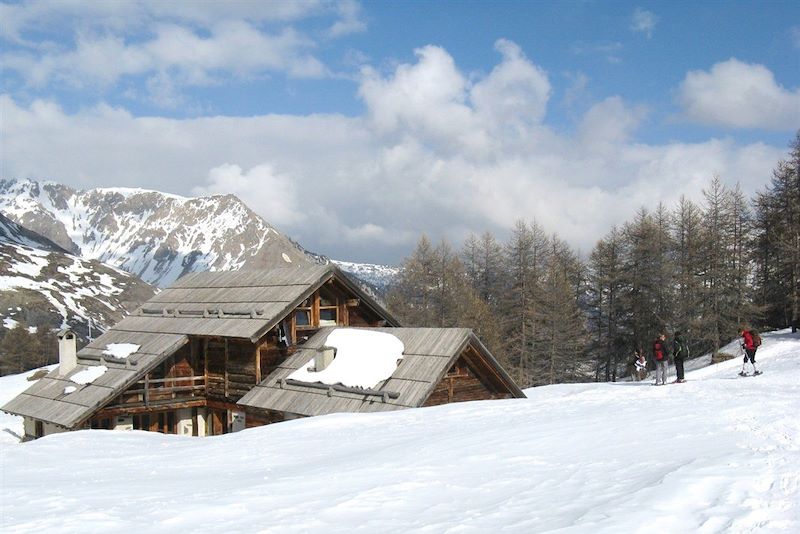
{"x":661,"y":357}
{"x":749,"y":346}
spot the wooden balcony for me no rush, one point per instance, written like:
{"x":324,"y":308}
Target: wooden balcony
{"x":162,"y":391}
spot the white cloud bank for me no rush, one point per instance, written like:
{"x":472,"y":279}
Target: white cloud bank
{"x":166,"y":45}
{"x":741,"y":95}
{"x":436,"y":152}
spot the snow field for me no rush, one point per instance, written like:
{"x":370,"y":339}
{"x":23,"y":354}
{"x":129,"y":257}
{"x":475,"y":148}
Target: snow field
{"x":715,"y":454}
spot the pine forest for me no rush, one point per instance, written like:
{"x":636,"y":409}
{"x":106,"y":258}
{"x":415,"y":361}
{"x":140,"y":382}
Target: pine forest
{"x":705,"y":269}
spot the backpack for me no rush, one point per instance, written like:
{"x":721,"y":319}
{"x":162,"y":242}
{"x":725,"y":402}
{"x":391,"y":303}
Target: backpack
{"x":756,"y":339}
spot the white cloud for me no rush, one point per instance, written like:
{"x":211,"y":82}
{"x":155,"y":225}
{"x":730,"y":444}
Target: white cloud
{"x":741,"y":95}
{"x":232,"y":47}
{"x":350,"y":19}
{"x":427,"y":98}
{"x":133,"y":16}
{"x":261,"y":187}
{"x":643,"y":21}
{"x":97,"y":45}
{"x":609,"y":123}
{"x":516,"y":92}
{"x":431,"y":154}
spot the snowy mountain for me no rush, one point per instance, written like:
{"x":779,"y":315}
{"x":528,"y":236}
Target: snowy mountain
{"x":715,"y":454}
{"x":377,"y":278}
{"x":156,"y":236}
{"x":13,"y":233}
{"x":43,"y":286}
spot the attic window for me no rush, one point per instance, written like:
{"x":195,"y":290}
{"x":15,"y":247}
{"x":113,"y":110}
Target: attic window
{"x":328,"y":316}
{"x":328,"y":308}
{"x":302,"y":316}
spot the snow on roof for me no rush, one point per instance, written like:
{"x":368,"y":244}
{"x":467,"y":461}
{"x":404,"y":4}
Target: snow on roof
{"x":89,"y":375}
{"x":121,"y":350}
{"x":363,"y":359}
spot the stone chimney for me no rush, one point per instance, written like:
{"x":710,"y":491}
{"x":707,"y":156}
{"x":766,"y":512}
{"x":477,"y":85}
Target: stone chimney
{"x":323,"y":358}
{"x":67,"y":351}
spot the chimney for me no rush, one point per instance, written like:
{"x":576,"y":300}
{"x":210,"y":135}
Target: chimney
{"x":67,"y":351}
{"x":323,"y":358}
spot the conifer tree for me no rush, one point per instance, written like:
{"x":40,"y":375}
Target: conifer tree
{"x":606,"y":287}
{"x":778,"y":243}
{"x":642,"y":274}
{"x":560,"y":331}
{"x":686,"y":231}
{"x":525,"y":258}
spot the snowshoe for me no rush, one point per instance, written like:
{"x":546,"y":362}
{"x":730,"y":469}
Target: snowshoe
{"x":757,"y":373}
{"x":743,"y":374}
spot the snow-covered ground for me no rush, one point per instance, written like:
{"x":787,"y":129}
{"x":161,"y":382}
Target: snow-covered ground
{"x":718,"y":453}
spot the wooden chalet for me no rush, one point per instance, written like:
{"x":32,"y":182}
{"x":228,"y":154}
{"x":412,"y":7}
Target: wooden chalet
{"x":439,"y":366}
{"x":201,"y":345}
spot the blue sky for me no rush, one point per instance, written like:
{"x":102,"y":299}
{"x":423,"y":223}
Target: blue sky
{"x":385,"y":120}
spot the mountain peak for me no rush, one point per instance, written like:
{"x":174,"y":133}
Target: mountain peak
{"x":157,"y":236}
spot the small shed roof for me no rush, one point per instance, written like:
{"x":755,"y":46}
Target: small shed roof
{"x":428,"y":354}
{"x":46,"y":400}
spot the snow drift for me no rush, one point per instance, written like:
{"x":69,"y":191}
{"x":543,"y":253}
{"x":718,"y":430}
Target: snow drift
{"x":716,"y":454}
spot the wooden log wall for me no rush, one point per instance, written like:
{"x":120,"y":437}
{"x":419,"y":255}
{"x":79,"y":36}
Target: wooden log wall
{"x":215,"y":367}
{"x":241,"y":369}
{"x":460,"y":384}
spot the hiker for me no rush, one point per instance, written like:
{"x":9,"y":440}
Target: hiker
{"x":640,"y":365}
{"x":680,"y":351}
{"x":661,"y":357}
{"x":750,"y":343}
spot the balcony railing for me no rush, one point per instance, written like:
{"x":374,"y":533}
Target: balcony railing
{"x":150,"y":391}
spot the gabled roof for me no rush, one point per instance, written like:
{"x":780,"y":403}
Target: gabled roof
{"x":428,"y":354}
{"x":46,"y":400}
{"x":240,"y":304}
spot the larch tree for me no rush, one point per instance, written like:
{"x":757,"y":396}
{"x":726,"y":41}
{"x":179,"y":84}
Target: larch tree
{"x":525,"y":261}
{"x":686,"y":232}
{"x":778,"y":242}
{"x":560,"y":332}
{"x":607,"y":314}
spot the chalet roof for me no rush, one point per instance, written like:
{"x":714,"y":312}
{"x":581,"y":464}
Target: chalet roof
{"x":237,"y":304}
{"x":240,"y":304}
{"x":46,"y":400}
{"x":428,"y":354}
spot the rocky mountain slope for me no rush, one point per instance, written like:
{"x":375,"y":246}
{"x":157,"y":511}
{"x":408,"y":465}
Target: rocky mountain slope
{"x":376,"y":278}
{"x":156,"y":236}
{"x":42,"y":287}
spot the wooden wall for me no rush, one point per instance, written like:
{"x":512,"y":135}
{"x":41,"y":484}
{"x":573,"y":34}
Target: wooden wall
{"x":465,"y":381}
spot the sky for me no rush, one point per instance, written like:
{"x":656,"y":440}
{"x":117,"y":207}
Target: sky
{"x":355,"y":127}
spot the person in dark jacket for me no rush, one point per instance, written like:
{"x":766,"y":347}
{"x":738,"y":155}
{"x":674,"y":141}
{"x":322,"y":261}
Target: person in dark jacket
{"x":661,"y":357}
{"x":749,"y":346}
{"x":680,"y":351}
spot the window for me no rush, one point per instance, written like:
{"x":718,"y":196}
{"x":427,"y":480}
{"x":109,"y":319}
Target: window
{"x":302,"y":316}
{"x":327,"y":316}
{"x":328,"y":308}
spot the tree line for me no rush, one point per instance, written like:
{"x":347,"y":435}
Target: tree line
{"x":550,"y":316}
